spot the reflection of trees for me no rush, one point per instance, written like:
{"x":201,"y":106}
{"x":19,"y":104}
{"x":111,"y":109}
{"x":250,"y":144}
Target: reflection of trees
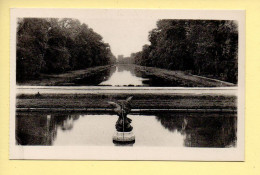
{"x":170,"y":121}
{"x":41,"y":129}
{"x":126,"y":67}
{"x":67,"y":124}
{"x":95,"y":78}
{"x":35,"y":129}
{"x":150,"y":79}
{"x":216,"y":130}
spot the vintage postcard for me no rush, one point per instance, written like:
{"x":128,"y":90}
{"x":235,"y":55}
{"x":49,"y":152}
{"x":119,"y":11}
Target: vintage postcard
{"x":127,"y":84}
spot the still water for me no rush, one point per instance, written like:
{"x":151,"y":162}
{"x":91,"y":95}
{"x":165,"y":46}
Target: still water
{"x":165,"y":129}
{"x":124,"y":75}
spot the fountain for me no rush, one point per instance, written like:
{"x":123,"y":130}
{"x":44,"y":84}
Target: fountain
{"x":123,"y":134}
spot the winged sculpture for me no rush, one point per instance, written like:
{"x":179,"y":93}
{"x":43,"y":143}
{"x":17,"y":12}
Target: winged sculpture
{"x":123,"y":108}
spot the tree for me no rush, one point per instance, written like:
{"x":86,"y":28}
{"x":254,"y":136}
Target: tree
{"x":204,"y":47}
{"x":57,"y":55}
{"x":31,"y":45}
{"x":52,"y":45}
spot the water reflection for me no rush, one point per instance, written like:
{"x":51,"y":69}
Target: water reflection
{"x":168,"y":129}
{"x":132,"y":75}
{"x":94,"y":78}
{"x":124,"y":76}
{"x":202,"y":130}
{"x":39,"y":129}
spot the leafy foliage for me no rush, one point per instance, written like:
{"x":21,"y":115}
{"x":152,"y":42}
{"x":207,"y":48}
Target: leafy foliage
{"x":50,"y":45}
{"x":203,"y":47}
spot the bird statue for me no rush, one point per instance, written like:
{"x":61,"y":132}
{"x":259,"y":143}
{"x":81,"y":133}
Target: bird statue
{"x":122,"y":109}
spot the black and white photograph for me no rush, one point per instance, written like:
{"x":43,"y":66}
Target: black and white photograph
{"x":127,"y":84}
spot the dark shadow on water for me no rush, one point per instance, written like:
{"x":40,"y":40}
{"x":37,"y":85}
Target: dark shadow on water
{"x":41,"y":129}
{"x":96,"y":78}
{"x":202,"y":130}
{"x":152,"y":80}
{"x":93,"y":79}
{"x":197,"y":129}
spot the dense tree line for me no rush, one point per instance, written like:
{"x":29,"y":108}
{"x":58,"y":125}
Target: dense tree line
{"x":125,"y":60}
{"x":50,"y":45}
{"x":202,"y":47}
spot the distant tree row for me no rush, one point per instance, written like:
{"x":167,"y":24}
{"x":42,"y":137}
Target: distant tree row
{"x":125,"y":60}
{"x":202,"y":47}
{"x":50,"y":45}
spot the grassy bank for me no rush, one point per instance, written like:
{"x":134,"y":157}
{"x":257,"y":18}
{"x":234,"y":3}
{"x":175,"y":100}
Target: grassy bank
{"x":182,"y":78}
{"x":140,"y":101}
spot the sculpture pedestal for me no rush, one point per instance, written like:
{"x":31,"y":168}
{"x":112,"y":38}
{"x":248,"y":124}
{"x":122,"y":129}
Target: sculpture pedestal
{"x":124,"y":138}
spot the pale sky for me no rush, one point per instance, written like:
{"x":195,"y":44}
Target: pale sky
{"x":124,"y":36}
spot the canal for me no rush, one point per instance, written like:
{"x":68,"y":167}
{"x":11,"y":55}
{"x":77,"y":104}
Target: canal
{"x":135,"y":76}
{"x":158,"y":129}
{"x":120,"y":75}
{"x":125,"y":75}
